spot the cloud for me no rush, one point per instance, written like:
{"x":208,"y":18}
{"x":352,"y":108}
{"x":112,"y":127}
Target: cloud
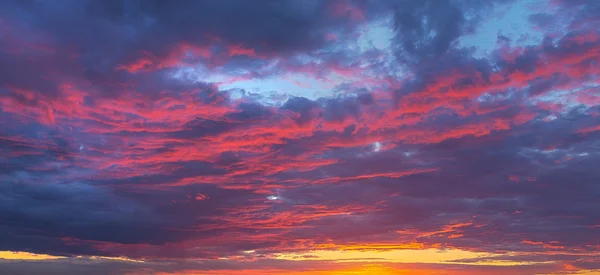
{"x":161,"y":132}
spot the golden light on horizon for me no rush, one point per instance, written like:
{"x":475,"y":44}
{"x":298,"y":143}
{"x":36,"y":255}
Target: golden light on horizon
{"x":427,"y":256}
{"x":28,"y":256}
{"x":18,"y":255}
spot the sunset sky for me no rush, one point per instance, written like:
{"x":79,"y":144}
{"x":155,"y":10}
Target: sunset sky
{"x":301,"y":137}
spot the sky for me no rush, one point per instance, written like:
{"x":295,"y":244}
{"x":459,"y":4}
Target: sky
{"x":217,"y":137}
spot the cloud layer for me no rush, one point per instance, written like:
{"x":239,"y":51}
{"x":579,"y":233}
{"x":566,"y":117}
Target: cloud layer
{"x":215,"y":137}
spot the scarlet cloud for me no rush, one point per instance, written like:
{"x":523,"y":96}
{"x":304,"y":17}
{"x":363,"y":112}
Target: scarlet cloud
{"x":302,"y":137}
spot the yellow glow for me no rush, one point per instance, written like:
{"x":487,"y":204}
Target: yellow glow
{"x":431,"y":256}
{"x":370,"y":246}
{"x":14,"y":255}
{"x":26,"y":256}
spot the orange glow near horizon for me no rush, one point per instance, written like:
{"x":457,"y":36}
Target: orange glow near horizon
{"x":427,"y":256}
{"x":341,"y":262}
